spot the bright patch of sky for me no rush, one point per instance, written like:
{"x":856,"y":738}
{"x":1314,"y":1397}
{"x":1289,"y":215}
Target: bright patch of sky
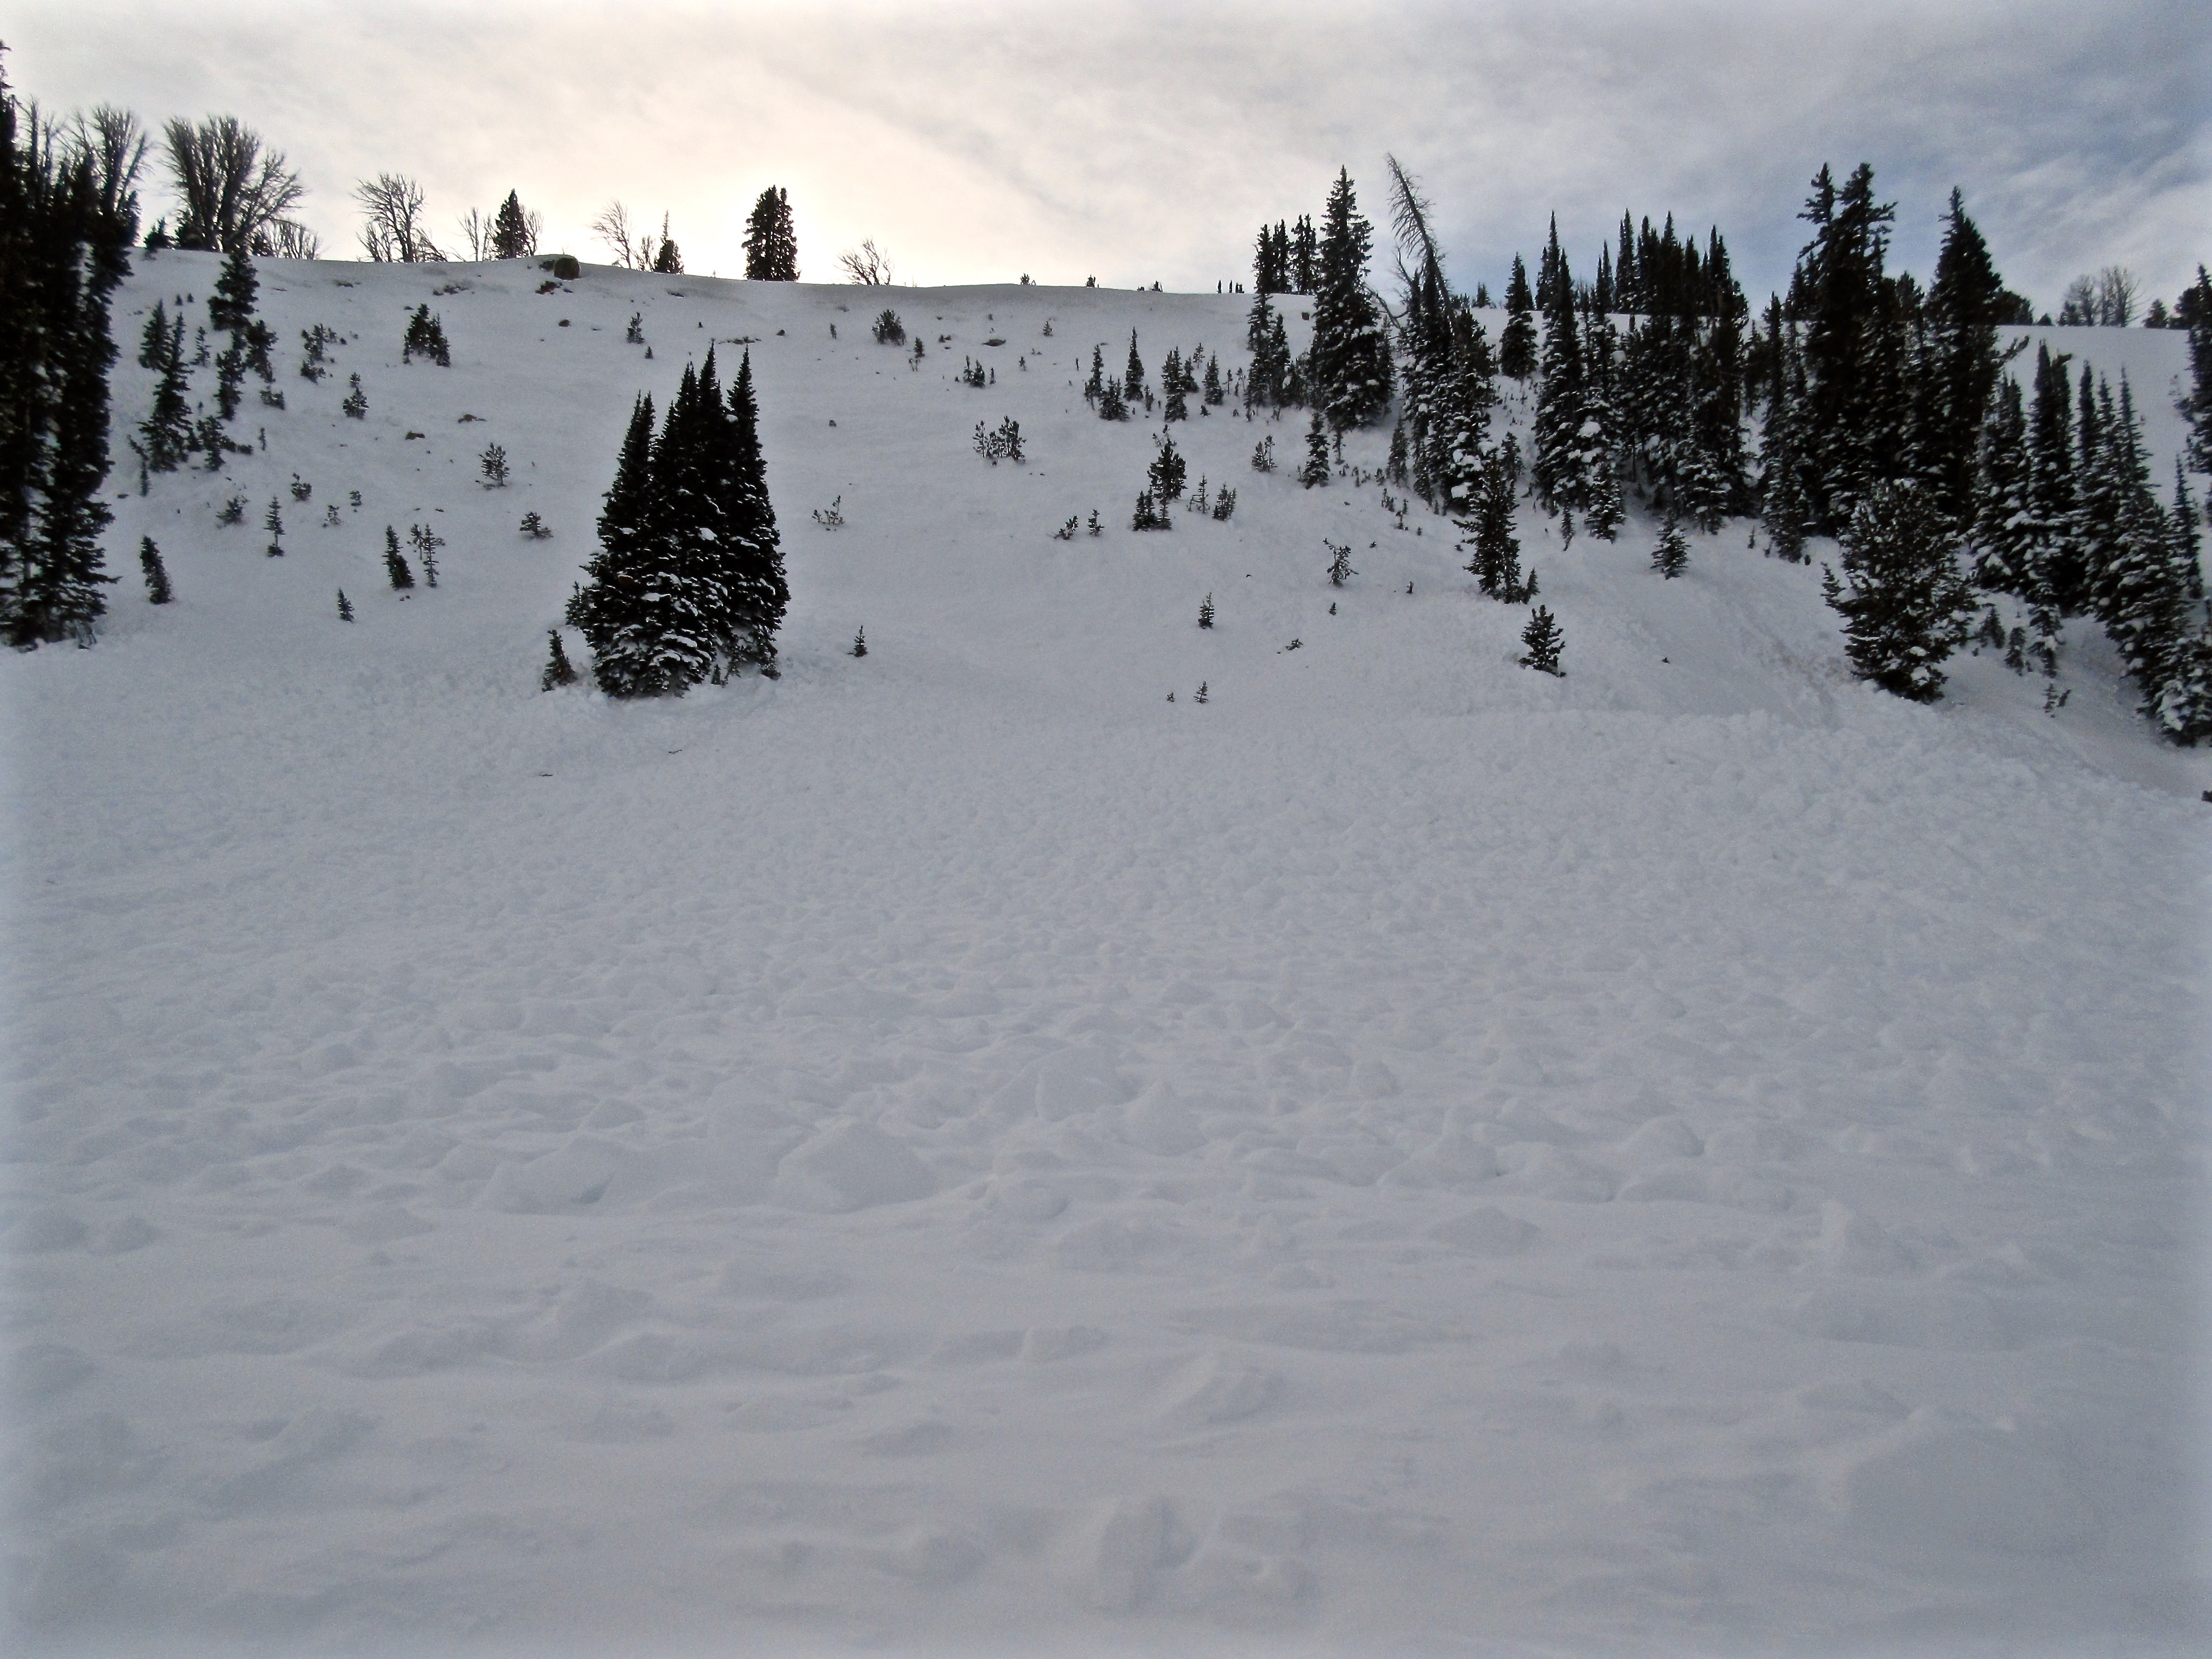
{"x":1138,"y":142}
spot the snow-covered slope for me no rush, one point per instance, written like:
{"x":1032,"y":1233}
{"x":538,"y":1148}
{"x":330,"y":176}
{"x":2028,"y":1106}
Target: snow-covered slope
{"x":950,"y":1151}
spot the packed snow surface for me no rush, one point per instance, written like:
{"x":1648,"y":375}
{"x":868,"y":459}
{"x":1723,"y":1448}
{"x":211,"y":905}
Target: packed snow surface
{"x":951,"y":1152}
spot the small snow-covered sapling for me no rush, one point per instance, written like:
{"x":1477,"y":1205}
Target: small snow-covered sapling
{"x":558,"y":670}
{"x":426,"y":543}
{"x":1096,"y":528}
{"x":832,"y":517}
{"x":534,"y":528}
{"x":157,"y":576}
{"x":232,"y":511}
{"x":345,"y":607}
{"x":1066,"y":532}
{"x":273,"y":522}
{"x":1206,"y":611}
{"x":1201,"y":694}
{"x":493,"y":463}
{"x":330,"y":516}
{"x":356,"y":402}
{"x":860,"y":642}
{"x":1544,"y":640}
{"x":1340,"y":563}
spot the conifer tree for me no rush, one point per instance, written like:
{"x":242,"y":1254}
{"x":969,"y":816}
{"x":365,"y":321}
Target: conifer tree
{"x":1847,"y":423}
{"x":1304,"y":267}
{"x":1132,"y":377}
{"x":513,"y":237}
{"x":2003,"y":542}
{"x":1213,"y":392}
{"x":153,"y":339}
{"x":1905,"y":606}
{"x":166,"y":434}
{"x":1516,"y":346}
{"x":1206,"y":611}
{"x":157,"y":576}
{"x":1171,"y":372}
{"x":558,"y":669}
{"x":1558,"y":463}
{"x":2053,"y":525}
{"x":1496,"y":555}
{"x":237,"y":289}
{"x":1544,"y":641}
{"x":771,"y":245}
{"x":345,"y":607}
{"x":1095,"y":388}
{"x":1348,"y":371}
{"x":1167,"y":471}
{"x":1315,"y":472}
{"x":273,"y":522}
{"x":395,"y":561}
{"x":758,"y":593}
{"x":1111,"y":405}
{"x":1672,"y":556}
{"x":2196,"y":408}
{"x":1962,"y":311}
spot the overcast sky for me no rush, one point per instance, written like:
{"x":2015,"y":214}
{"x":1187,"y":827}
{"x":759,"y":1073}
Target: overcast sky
{"x":1140,"y":141}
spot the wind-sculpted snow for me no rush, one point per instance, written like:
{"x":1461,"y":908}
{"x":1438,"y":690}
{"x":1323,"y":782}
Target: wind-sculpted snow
{"x":948,"y":1151}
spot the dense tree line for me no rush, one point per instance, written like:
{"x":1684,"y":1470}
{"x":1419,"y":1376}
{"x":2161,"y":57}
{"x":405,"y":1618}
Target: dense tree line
{"x":68,"y":215}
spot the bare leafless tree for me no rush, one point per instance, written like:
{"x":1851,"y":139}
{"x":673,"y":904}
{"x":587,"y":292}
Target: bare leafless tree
{"x":232,"y":193}
{"x":866,"y":264}
{"x":2078,"y":306}
{"x":393,"y":232}
{"x":2116,"y":292}
{"x":290,"y":240}
{"x":476,"y":234}
{"x":116,"y":145}
{"x":633,"y":249}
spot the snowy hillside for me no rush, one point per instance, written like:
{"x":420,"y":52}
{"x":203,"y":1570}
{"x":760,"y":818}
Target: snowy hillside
{"x":951,"y":1152}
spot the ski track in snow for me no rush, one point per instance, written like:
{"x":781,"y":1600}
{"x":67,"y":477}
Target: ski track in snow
{"x":950,"y":1152}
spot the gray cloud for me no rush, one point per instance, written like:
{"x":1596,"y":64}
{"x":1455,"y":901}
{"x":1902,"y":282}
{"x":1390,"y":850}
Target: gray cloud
{"x":1139,"y":142}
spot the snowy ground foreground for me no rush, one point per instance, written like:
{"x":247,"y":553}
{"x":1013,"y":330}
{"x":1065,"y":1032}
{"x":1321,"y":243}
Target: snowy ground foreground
{"x":950,"y":1152}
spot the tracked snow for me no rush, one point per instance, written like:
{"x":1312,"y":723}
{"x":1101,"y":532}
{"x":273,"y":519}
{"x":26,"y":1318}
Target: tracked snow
{"x":950,"y":1150}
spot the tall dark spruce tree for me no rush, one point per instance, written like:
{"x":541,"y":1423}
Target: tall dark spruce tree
{"x":1557,"y":460}
{"x":1516,"y":343}
{"x":62,"y":252}
{"x":1449,"y":393}
{"x":1348,"y":374}
{"x":1845,"y":420}
{"x":688,"y":584}
{"x":1963,"y":361}
{"x":771,"y":244}
{"x":512,"y":235}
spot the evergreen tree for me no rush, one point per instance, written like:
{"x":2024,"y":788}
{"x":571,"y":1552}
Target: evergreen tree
{"x":1171,"y":374}
{"x":153,"y":339}
{"x":1963,"y":308}
{"x":1095,"y":388}
{"x":273,"y":522}
{"x":558,"y":670}
{"x":2003,"y":542}
{"x":1213,"y":392}
{"x":1544,"y":640}
{"x":771,"y":245}
{"x":1847,"y":421}
{"x":395,"y":562}
{"x":2196,"y":408}
{"x":1672,"y":556}
{"x":1168,"y":471}
{"x":345,"y":607}
{"x":513,"y":237}
{"x":1905,"y":606}
{"x":1558,"y":463}
{"x":759,"y":594}
{"x":1206,"y":611}
{"x":1132,"y":377}
{"x":164,"y":436}
{"x":157,"y":576}
{"x":63,"y":250}
{"x":1111,"y":404}
{"x":426,"y":336}
{"x":1496,"y":560}
{"x":1305,"y":268}
{"x":1315,"y":472}
{"x":1516,"y":346}
{"x":1348,"y":372}
{"x":237,"y":290}
{"x":2053,"y":526}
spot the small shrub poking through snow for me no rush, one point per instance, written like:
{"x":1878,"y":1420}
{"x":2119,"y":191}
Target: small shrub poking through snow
{"x":534,"y":528}
{"x":558,"y":669}
{"x":395,"y":561}
{"x":860,"y":642}
{"x":493,"y":463}
{"x":888,"y":329}
{"x":832,"y":517}
{"x":157,"y":576}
